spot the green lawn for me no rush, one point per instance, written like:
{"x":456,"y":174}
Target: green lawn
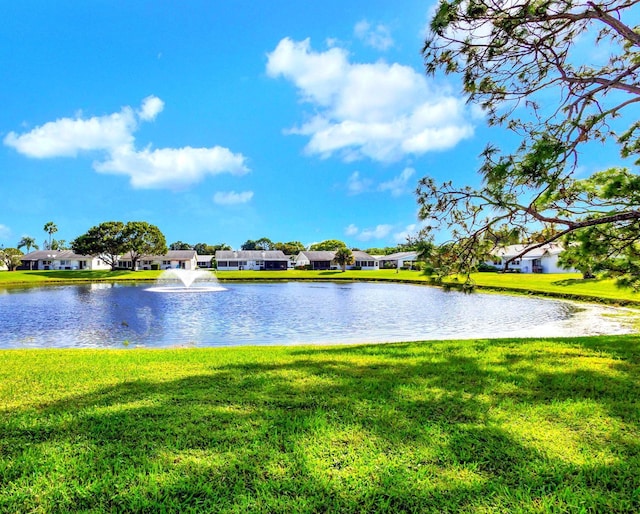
{"x":456,"y":426}
{"x":50,"y":277}
{"x":558,"y":284}
{"x":565,"y":284}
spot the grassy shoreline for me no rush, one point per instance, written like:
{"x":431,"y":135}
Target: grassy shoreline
{"x":540,"y":425}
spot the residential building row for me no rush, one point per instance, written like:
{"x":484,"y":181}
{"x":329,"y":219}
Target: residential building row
{"x":224,"y":260}
{"x":539,"y":260}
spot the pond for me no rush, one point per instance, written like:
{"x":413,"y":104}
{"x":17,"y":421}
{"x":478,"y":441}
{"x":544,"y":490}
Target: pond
{"x":120,"y":315}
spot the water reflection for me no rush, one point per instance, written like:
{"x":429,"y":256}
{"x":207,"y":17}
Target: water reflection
{"x":117,"y":315}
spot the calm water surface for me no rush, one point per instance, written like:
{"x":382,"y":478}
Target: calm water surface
{"x":113,"y":315}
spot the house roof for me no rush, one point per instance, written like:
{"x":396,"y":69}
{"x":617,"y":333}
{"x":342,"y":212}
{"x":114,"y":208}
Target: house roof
{"x":362,"y":256}
{"x":512,"y":250}
{"x":47,"y":255}
{"x":171,"y":255}
{"x":180,"y":255}
{"x":319,"y":256}
{"x":251,"y":255}
{"x":399,"y":256}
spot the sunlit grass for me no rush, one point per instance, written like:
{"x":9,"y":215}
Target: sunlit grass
{"x":452,"y":426}
{"x":53,"y":276}
{"x":569,"y":285}
{"x":559,"y":283}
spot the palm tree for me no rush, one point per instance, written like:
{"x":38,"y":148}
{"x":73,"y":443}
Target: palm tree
{"x":50,"y":228}
{"x":28,"y":242}
{"x":343,"y":257}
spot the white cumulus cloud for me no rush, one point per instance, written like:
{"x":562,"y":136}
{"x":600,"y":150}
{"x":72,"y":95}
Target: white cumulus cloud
{"x":112,"y":137}
{"x":410,"y":230}
{"x":357,"y":185}
{"x":151,"y":107}
{"x":377,"y":37}
{"x":378,"y":232}
{"x":376,"y":110}
{"x":397,"y":186}
{"x":232,"y":198}
{"x":171,"y":167}
{"x":351,"y":230}
{"x":400,"y":184}
{"x":66,"y":137}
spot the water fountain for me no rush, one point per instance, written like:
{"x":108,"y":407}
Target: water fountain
{"x":187,"y":278}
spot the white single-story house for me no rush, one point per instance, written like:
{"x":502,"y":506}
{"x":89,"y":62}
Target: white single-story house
{"x":543,"y":259}
{"x":364,"y":261}
{"x":229,"y":260}
{"x":205,"y":261}
{"x":61,"y":260}
{"x":319,"y":260}
{"x":398,"y":260}
{"x":173,"y":259}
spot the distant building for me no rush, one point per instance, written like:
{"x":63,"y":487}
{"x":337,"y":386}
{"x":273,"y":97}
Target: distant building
{"x":205,"y":261}
{"x":61,"y":260}
{"x":173,"y":259}
{"x":399,"y":260}
{"x":364,"y":261}
{"x":543,"y":259}
{"x":321,"y":260}
{"x":229,"y":260}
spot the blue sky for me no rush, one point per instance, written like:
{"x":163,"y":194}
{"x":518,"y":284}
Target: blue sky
{"x":226,"y":121}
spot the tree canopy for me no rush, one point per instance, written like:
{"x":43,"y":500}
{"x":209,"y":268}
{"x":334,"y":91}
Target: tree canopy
{"x":524,"y":63}
{"x":105,"y":240}
{"x":205,"y":249}
{"x":111,"y":239}
{"x":328,"y":245}
{"x":290,"y":248}
{"x":28,"y":242}
{"x":343,"y":257}
{"x":264,"y":243}
{"x":179,"y":245}
{"x":142,"y":238}
{"x":50,"y":228}
{"x":10,"y":257}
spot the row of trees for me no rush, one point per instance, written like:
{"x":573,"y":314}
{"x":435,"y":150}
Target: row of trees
{"x":525,"y":63}
{"x":294,"y":247}
{"x":111,"y":239}
{"x":11,"y":257}
{"x":50,"y":228}
{"x":200,"y":248}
